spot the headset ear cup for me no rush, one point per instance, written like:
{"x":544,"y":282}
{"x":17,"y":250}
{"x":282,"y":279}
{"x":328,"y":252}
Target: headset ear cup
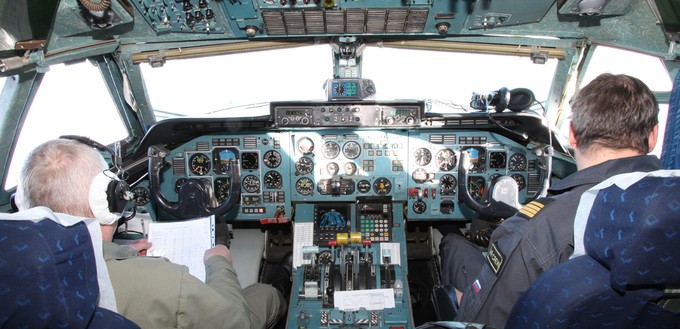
{"x":520,"y":99}
{"x":99,"y":197}
{"x":502,"y":98}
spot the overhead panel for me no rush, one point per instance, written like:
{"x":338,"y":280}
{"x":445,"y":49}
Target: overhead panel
{"x":287,"y":18}
{"x":491,"y":14}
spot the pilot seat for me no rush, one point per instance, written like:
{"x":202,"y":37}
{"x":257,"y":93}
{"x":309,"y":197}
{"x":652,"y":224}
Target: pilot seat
{"x":48,"y":278}
{"x":628,"y":271}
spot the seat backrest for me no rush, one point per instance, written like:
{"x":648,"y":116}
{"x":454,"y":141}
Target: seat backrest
{"x":48,"y":278}
{"x":632,"y":252}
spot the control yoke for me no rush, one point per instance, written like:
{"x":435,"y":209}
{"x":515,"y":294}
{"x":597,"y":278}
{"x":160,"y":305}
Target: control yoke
{"x":195,"y":197}
{"x":503,"y":193}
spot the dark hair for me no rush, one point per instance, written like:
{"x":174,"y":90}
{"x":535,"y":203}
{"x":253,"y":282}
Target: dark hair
{"x":614,"y":111}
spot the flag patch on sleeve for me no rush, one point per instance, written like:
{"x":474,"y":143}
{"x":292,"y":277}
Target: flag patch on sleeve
{"x":476,"y":286}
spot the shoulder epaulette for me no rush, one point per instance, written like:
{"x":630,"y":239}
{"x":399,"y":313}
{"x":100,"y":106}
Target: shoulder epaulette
{"x":534,"y":207}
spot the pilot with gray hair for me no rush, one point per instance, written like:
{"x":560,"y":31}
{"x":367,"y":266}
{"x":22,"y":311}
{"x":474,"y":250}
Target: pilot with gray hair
{"x":71,"y":177}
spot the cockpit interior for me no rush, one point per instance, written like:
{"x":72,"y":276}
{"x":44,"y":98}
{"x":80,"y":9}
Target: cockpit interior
{"x":354,"y":178}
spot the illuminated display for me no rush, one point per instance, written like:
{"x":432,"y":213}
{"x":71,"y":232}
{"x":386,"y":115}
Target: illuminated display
{"x":345,"y":89}
{"x":295,"y":112}
{"x":400,"y":112}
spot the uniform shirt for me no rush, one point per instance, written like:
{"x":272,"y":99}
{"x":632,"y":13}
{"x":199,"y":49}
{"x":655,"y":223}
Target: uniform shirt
{"x":538,"y":237}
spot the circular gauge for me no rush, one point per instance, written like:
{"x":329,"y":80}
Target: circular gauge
{"x":350,"y":168}
{"x":339,"y":89}
{"x":477,"y":158}
{"x":141,"y":197}
{"x":447,"y":185}
{"x":199,"y":164}
{"x":420,"y":176}
{"x":271,"y":159}
{"x":497,"y":160}
{"x":223,"y":159}
{"x":251,"y":184}
{"x":249,"y":161}
{"x":518,"y":162}
{"x":178,"y":184}
{"x":494,"y":176}
{"x":221,"y":189}
{"x":446,"y":159}
{"x":351,"y":150}
{"x":332,"y":168}
{"x":330,"y":149}
{"x":476,"y":187}
{"x":364,"y":186}
{"x":419,"y":207}
{"x":325,"y":257}
{"x":305,"y":145}
{"x":304,"y":166}
{"x":521,"y":183}
{"x":323,"y":186}
{"x":304,"y":186}
{"x":273,"y":180}
{"x":423,"y":156}
{"x":382,"y":186}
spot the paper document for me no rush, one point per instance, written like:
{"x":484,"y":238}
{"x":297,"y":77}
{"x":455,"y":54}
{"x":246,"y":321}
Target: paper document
{"x":183,"y":242}
{"x":371,"y":299}
{"x":303,"y":237}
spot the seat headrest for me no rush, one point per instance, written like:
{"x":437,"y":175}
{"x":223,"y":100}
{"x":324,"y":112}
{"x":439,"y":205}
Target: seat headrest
{"x":48,"y":277}
{"x":634,"y":231}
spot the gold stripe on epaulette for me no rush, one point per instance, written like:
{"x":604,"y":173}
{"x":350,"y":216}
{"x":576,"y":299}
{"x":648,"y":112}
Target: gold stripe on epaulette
{"x":531,"y":209}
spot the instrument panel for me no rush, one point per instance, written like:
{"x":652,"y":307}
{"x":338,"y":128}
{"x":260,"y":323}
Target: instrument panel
{"x":415,"y":167}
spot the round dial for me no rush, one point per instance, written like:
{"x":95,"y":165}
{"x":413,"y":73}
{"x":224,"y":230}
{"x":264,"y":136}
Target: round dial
{"x":420,"y":176}
{"x":251,"y":184}
{"x":178,"y":184}
{"x":304,"y":186}
{"x":476,"y":187}
{"x":304,"y":166}
{"x":199,"y":164}
{"x":249,"y":161}
{"x":221,"y":189}
{"x":351,"y":150}
{"x":423,"y":156}
{"x":332,"y":168}
{"x":325,"y":257}
{"x":382,"y":186}
{"x":521,"y":183}
{"x":477,"y":158}
{"x":330,"y":149}
{"x":446,"y":159}
{"x":497,"y":160}
{"x":419,"y":207}
{"x":364,"y":186}
{"x":142,"y":196}
{"x":272,"y":159}
{"x":339,"y":89}
{"x":447,"y":185}
{"x":305,"y":145}
{"x":494,"y":176}
{"x":518,"y":162}
{"x":273,"y":180}
{"x":350,"y":168}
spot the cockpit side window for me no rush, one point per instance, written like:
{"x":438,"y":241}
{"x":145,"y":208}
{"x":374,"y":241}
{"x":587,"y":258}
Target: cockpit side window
{"x":71,"y":100}
{"x":649,"y":69}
